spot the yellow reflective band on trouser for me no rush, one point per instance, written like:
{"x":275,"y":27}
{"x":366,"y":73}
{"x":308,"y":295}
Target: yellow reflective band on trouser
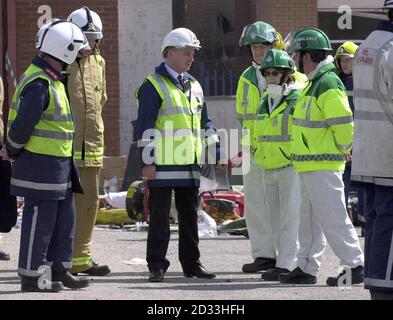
{"x":88,"y":155}
{"x":76,"y":262}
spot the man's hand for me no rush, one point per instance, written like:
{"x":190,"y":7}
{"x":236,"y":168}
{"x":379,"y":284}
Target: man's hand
{"x":149,"y":172}
{"x":4,"y":154}
{"x":348,"y":157}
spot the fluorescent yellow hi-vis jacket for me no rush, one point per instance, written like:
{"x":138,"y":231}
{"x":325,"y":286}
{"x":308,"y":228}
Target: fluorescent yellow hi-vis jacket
{"x":272,"y":132}
{"x":322,"y":129}
{"x":87,"y":91}
{"x":53,"y":134}
{"x":178,"y":140}
{"x":248,"y":98}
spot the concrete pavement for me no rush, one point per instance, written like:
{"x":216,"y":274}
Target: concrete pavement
{"x":223,"y":255}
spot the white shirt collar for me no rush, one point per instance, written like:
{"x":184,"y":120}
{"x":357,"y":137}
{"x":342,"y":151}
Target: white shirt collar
{"x":173,"y":73}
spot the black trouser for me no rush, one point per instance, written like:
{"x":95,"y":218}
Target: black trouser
{"x":186,"y":199}
{"x":378,"y":247}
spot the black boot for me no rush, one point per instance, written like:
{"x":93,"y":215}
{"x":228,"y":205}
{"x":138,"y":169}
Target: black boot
{"x":273,"y":274}
{"x":357,"y":276}
{"x":297,"y":276}
{"x":96,"y":270}
{"x":259,"y":264}
{"x":69,"y":280}
{"x":30,"y":284}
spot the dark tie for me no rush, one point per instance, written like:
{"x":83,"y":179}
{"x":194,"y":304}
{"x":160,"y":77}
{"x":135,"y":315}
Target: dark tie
{"x":181,"y":81}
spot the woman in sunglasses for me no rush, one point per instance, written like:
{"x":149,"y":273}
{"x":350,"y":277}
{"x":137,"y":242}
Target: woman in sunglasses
{"x":271,"y":143}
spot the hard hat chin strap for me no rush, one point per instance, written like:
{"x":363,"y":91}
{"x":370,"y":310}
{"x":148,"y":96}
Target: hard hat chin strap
{"x":301,"y":63}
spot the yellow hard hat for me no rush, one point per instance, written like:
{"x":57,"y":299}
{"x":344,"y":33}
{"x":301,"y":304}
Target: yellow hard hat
{"x":279,"y":42}
{"x":347,"y":49}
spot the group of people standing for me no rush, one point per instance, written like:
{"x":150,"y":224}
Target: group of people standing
{"x":301,"y":134}
{"x":295,"y":101}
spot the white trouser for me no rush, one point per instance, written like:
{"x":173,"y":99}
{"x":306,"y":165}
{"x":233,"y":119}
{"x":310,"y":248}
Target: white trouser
{"x":324,"y":213}
{"x":257,"y":218}
{"x":282,"y":190}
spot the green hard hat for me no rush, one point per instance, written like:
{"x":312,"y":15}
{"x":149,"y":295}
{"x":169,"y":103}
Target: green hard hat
{"x":258,"y":32}
{"x":277,"y":59}
{"x":309,"y":39}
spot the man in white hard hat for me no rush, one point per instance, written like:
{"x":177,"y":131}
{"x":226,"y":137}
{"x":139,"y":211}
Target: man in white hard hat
{"x":373,"y":152}
{"x":40,"y":141}
{"x":87,"y":92}
{"x":171,"y":113}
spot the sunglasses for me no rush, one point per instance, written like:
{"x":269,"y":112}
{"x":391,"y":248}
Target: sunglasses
{"x":271,"y":73}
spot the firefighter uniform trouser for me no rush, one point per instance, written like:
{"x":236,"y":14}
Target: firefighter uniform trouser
{"x":257,"y":218}
{"x":323,"y":214}
{"x":282,"y":188}
{"x":378,"y":271}
{"x":86,"y":214}
{"x":47,"y":235}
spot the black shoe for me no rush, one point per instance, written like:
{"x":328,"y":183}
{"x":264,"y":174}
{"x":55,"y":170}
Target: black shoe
{"x":357,"y":276}
{"x":96,"y":270}
{"x":259,"y":264}
{"x":29,"y":284}
{"x":199,"y":272}
{"x":381,"y":295}
{"x":297,"y":276}
{"x":273,"y":274}
{"x":4,"y":256}
{"x":69,"y":280}
{"x":156,"y":275}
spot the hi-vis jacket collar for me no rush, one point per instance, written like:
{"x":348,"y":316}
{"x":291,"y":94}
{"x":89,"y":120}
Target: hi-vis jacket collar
{"x":52,"y":72}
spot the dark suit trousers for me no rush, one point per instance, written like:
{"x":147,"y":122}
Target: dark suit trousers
{"x":186,"y":199}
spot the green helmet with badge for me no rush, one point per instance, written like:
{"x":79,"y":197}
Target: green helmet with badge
{"x":258,"y":32}
{"x":309,"y":39}
{"x":277,"y":59}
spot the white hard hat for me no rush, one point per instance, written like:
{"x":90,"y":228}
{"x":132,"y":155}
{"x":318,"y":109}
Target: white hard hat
{"x":61,"y":39}
{"x":180,"y":38}
{"x":89,"y":21}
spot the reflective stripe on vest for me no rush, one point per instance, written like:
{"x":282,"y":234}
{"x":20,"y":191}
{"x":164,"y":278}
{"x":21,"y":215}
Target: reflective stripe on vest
{"x":178,"y":127}
{"x":57,"y":116}
{"x":245,"y":102}
{"x":318,"y":157}
{"x":284,"y":137}
{"x":177,"y":175}
{"x":55,"y":122}
{"x":322,"y":124}
{"x":40,"y":186}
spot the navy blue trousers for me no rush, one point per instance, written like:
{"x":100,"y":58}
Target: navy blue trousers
{"x":186,"y":200}
{"x":378,"y":249}
{"x":47,"y":235}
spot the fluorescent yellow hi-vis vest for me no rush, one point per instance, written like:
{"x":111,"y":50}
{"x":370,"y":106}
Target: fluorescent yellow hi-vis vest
{"x":322,"y":127}
{"x":272,"y":133}
{"x":87,"y":91}
{"x":53,"y":134}
{"x":247,"y":102}
{"x":177,"y":130}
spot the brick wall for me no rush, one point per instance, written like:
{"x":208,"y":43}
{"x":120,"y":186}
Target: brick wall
{"x":26,"y":30}
{"x":201,"y":17}
{"x":288,"y":16}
